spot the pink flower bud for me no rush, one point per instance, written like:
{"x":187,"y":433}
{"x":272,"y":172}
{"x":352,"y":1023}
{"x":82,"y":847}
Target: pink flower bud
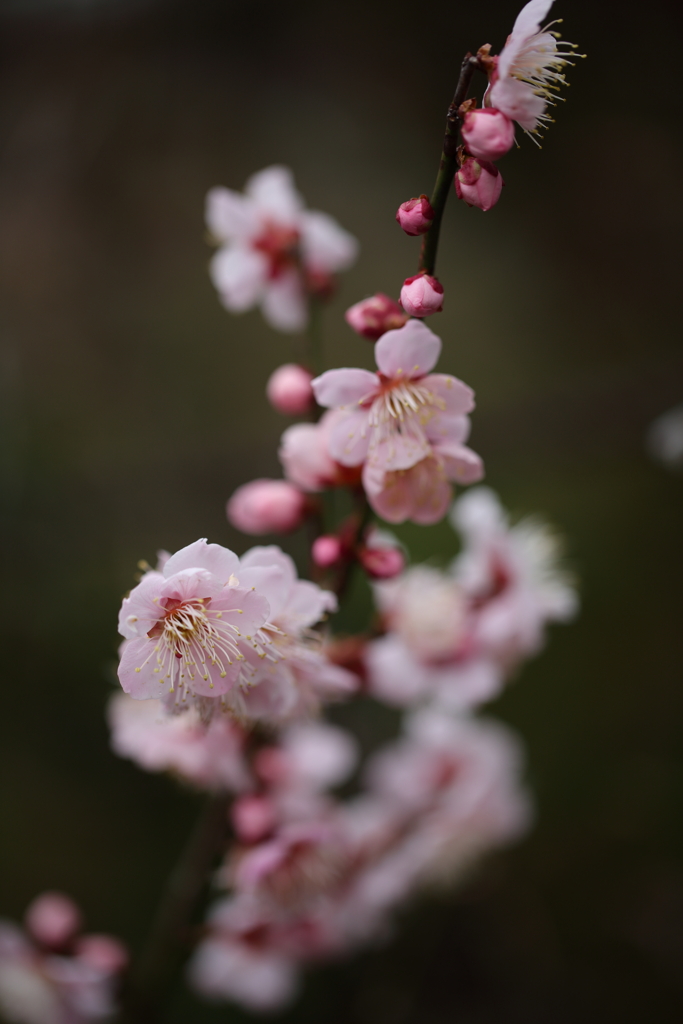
{"x":382,"y":563}
{"x":326,"y":551}
{"x":267,"y":506}
{"x":289,"y":390}
{"x":415,"y":216}
{"x":375,"y":316}
{"x":53,"y":919}
{"x":479,"y":183}
{"x":102,"y":952}
{"x":253,"y":818}
{"x":488,"y":133}
{"x":422,"y":295}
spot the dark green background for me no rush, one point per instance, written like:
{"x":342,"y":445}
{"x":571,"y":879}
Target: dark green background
{"x":132,"y":406}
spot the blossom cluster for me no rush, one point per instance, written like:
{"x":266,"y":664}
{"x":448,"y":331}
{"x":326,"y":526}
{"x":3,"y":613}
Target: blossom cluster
{"x":228,"y":662}
{"x":311,"y":876}
{"x":50,"y":973}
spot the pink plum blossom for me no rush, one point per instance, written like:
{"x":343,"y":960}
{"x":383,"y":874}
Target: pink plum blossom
{"x":488,"y":134}
{"x":290,"y":675}
{"x":461,"y":777}
{"x":415,"y":216}
{"x":529,"y":69}
{"x":289,"y":390}
{"x":267,"y":506}
{"x":479,"y":183}
{"x":374,"y":316}
{"x":404,"y":425}
{"x":422,"y":295}
{"x":273,"y":252}
{"x":513,"y":576}
{"x":428,"y":653}
{"x":209,"y":755}
{"x":73,"y":984}
{"x":189,"y":627}
{"x":248,"y":956}
{"x":381,"y":555}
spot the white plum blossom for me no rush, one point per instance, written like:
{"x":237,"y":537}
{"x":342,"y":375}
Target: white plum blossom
{"x":530,"y":69}
{"x":273,"y":252}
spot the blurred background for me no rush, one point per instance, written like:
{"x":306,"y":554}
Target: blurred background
{"x":132,"y":405}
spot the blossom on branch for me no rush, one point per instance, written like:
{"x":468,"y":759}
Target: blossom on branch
{"x":529,"y":69}
{"x":404,"y":425}
{"x":273,"y":252}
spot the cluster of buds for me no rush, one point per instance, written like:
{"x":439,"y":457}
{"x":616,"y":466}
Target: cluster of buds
{"x":50,"y":973}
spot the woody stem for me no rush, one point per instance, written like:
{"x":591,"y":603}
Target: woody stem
{"x":448,"y":164}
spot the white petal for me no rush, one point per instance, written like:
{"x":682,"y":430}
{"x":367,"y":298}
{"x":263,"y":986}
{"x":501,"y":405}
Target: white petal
{"x":284,"y":303}
{"x":274,"y":194}
{"x":239,"y":275}
{"x":325,"y":245}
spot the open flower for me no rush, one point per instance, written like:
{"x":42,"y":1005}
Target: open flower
{"x":289,"y":675}
{"x":189,"y":627}
{"x":530,"y":69}
{"x":405,"y":425}
{"x":512,"y":575}
{"x":273,"y":252}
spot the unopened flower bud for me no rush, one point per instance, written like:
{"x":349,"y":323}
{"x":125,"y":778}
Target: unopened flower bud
{"x":415,"y":216}
{"x":488,"y":133}
{"x":253,"y":818}
{"x":326,"y":551}
{"x":422,"y":295}
{"x":289,"y":390}
{"x":479,"y":183}
{"x":382,"y":563}
{"x":375,"y":316}
{"x":53,"y":919}
{"x":267,"y":506}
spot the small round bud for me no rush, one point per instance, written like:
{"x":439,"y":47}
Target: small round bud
{"x":326,"y":551}
{"x":479,"y":183}
{"x":53,"y":919}
{"x":488,"y":133}
{"x":267,"y":506}
{"x":415,"y":216}
{"x":382,"y":563}
{"x":253,"y":817}
{"x":422,"y":295}
{"x":289,"y":390}
{"x":375,"y":316}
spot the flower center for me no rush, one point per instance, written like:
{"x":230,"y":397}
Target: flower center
{"x":401,"y":407}
{"x":279,"y":245}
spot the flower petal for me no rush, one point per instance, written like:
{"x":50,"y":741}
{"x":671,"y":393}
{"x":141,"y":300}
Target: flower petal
{"x":230,"y":215}
{"x":218,"y":560}
{"x":239,"y":275}
{"x":325,"y":245}
{"x":284,"y":303}
{"x":410,"y":351}
{"x":347,"y":386}
{"x":457,"y":397}
{"x":349,"y":437}
{"x":275,"y":196}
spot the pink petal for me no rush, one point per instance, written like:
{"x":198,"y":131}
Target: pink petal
{"x":142,"y":683}
{"x":443,"y":428}
{"x":462,"y":465}
{"x":410,"y":351}
{"x":284,"y":304}
{"x":218,"y":560}
{"x":140,"y":610}
{"x":275,"y":196}
{"x":344,"y":387}
{"x":325,"y":245}
{"x":271,"y":582}
{"x":400,"y":451}
{"x":244,"y":609}
{"x":395,"y":677}
{"x":389,"y":494}
{"x":229,"y":215}
{"x":350,"y":437}
{"x":458,"y":398}
{"x":239,"y":275}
